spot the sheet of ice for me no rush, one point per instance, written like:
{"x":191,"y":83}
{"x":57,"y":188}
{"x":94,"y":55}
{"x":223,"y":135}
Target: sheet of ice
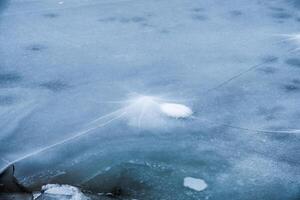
{"x":66,"y":67}
{"x":194,"y":183}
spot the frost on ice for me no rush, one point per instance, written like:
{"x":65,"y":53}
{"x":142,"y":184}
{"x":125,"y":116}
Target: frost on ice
{"x":194,"y":183}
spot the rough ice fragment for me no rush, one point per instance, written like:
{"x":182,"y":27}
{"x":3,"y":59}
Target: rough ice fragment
{"x":64,"y":190}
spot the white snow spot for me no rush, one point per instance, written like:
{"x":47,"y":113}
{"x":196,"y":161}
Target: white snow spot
{"x":64,"y":190}
{"x":194,"y":183}
{"x":175,"y":110}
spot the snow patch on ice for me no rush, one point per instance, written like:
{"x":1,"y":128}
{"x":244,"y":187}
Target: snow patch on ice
{"x":194,"y":183}
{"x":175,"y":110}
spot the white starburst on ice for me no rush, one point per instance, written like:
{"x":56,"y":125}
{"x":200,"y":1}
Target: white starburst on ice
{"x":150,"y":111}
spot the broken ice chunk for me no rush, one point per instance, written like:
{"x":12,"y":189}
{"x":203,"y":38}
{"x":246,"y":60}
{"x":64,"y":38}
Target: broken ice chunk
{"x":64,"y":190}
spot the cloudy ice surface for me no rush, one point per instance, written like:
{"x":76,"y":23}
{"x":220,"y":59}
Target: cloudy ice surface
{"x":66,"y":64}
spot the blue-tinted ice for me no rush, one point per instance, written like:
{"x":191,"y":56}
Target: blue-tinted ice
{"x":235,"y":63}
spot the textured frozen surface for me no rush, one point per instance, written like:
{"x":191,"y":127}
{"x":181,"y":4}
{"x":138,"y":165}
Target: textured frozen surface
{"x":65,"y":63}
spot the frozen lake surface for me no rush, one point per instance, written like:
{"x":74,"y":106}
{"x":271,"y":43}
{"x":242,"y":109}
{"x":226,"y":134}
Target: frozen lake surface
{"x":126,"y":98}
